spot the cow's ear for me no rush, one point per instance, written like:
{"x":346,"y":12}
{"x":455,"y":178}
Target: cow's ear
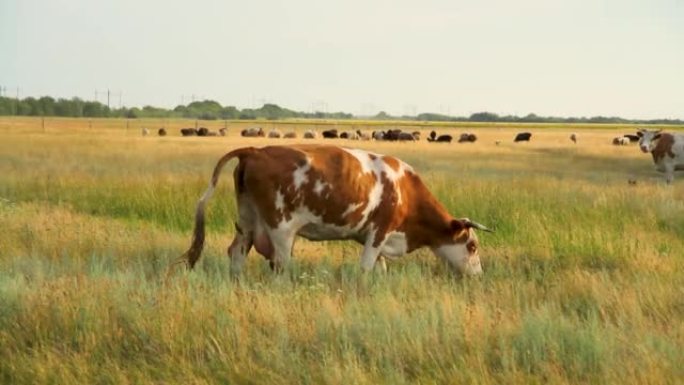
{"x":656,"y":136}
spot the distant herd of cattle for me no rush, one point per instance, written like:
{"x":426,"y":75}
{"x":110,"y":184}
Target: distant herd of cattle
{"x":388,"y":135}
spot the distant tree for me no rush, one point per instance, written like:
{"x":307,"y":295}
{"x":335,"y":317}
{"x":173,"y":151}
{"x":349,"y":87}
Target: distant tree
{"x":484,"y":117}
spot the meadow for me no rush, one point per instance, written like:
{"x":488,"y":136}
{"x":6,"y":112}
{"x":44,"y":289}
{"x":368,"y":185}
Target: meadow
{"x":583,"y":278}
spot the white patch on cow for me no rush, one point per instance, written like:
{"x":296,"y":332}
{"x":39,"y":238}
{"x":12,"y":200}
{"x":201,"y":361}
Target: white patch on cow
{"x":319,"y":186}
{"x":299,"y":175}
{"x":374,"y":200}
{"x":458,"y":256}
{"x":279,"y":201}
{"x":351,"y":208}
{"x":395,"y":245}
{"x":367,"y":165}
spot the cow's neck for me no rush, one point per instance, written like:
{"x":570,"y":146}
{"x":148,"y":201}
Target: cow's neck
{"x":424,"y":222}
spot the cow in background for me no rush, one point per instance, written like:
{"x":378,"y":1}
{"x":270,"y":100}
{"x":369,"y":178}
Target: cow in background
{"x":188,"y":131}
{"x":666,"y":149}
{"x":467,"y":137}
{"x":523,"y":137}
{"x":253,"y":132}
{"x":330,"y":134}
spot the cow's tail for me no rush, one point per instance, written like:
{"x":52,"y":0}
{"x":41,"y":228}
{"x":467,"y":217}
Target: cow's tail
{"x":191,"y":256}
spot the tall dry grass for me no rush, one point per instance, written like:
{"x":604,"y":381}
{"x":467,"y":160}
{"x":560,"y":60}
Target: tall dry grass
{"x":582,"y":284}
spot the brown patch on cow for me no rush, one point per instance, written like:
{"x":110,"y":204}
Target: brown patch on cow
{"x":392,"y":162}
{"x":663,"y":148}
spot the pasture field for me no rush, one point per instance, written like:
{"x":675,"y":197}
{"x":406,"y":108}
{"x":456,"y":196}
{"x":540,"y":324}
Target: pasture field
{"x":583,"y":279}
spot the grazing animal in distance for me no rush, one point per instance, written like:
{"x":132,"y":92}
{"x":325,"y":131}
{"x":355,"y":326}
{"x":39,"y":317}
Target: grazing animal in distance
{"x":253,"y":132}
{"x":145,"y":131}
{"x":620,"y":141}
{"x":446,"y":138}
{"x":344,"y":135}
{"x":309,"y":134}
{"x":378,"y":201}
{"x":666,"y":149}
{"x":362,"y":135}
{"x":406,"y":136}
{"x":330,"y":134}
{"x":202,"y":131}
{"x":467,"y":138}
{"x":573,"y":137}
{"x":632,"y":137}
{"x":223,"y":131}
{"x":432,"y":136}
{"x":274,"y":133}
{"x":161,"y":131}
{"x":523,"y":137}
{"x":188,"y":131}
{"x":290,"y":135}
{"x":378,"y":135}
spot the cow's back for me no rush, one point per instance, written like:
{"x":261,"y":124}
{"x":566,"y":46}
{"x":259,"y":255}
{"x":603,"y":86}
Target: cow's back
{"x":312,"y":184}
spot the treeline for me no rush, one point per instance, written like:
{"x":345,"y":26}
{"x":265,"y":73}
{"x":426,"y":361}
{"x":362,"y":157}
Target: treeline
{"x":211,"y":110}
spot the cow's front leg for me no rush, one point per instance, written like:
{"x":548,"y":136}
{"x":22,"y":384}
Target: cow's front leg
{"x":370,"y":253}
{"x":669,"y":172}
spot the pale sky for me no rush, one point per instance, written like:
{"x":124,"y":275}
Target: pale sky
{"x":551,"y":57}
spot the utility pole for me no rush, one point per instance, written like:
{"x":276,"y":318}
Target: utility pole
{"x":107,"y":97}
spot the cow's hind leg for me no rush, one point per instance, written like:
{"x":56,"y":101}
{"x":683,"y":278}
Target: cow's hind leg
{"x":244,"y":236}
{"x":238,"y":250}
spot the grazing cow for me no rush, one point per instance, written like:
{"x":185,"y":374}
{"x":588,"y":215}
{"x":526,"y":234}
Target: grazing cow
{"x":274,"y":133}
{"x":145,"y":131}
{"x":188,"y":131}
{"x":290,"y":135}
{"x":416,"y":135}
{"x":309,"y":134}
{"x":523,"y":137}
{"x":433,"y":137}
{"x":330,"y":134}
{"x":620,"y":141}
{"x":252,"y":132}
{"x":573,"y":137}
{"x":222,"y":131}
{"x":406,"y":136}
{"x":467,"y":137}
{"x":362,"y":135}
{"x":442,"y":139}
{"x":378,"y":135}
{"x":161,"y":132}
{"x":632,"y":138}
{"x":667,"y":151}
{"x":202,"y":131}
{"x":344,"y":135}
{"x":323,"y":192}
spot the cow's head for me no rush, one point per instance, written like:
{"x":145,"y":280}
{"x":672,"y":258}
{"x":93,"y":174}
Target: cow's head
{"x":461,"y":248}
{"x":648,"y":139}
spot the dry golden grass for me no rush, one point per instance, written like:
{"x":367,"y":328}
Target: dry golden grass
{"x":582,"y":284}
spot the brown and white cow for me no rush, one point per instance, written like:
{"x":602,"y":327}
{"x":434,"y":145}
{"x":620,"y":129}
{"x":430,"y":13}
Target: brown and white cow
{"x":323,"y":192}
{"x":667,"y":151}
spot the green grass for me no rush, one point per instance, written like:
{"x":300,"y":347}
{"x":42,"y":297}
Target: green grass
{"x":582,"y":279}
